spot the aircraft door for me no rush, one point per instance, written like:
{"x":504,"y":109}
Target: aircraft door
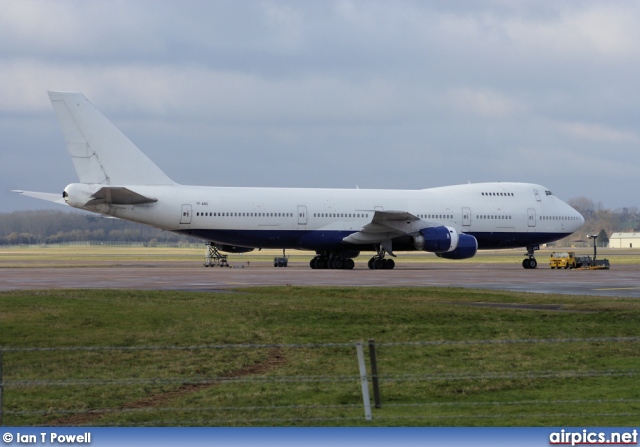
{"x":466,"y":217}
{"x":532,"y":217}
{"x":302,"y":215}
{"x":185,"y":218}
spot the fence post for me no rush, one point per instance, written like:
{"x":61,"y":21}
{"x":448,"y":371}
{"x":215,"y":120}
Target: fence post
{"x":374,"y":373}
{"x":364,"y":382}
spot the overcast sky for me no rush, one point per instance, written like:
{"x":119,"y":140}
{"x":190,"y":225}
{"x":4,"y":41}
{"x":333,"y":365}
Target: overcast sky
{"x":389,"y":94}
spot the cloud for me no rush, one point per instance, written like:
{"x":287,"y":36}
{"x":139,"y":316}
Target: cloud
{"x":198,"y":92}
{"x":402,"y":94}
{"x":598,"y":132}
{"x":70,"y":29}
{"x":608,"y":31}
{"x":484,"y":103}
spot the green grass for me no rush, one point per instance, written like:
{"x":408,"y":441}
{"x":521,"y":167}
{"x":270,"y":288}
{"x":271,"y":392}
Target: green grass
{"x":450,"y":384}
{"x":35,"y":256}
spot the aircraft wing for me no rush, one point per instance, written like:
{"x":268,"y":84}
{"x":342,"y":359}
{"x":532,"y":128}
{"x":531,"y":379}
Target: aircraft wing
{"x":385,"y":226}
{"x":49,"y":197}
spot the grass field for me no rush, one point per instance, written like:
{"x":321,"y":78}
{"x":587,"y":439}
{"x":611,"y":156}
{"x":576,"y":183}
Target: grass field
{"x":86,"y":255}
{"x":516,"y":384}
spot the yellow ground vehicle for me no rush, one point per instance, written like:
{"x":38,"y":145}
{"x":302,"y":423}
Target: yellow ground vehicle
{"x":560,"y":260}
{"x":569,"y":260}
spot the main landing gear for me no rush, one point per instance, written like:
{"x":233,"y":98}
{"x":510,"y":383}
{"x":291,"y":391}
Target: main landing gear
{"x":530,"y":262}
{"x":331,"y":261}
{"x":378,"y":262}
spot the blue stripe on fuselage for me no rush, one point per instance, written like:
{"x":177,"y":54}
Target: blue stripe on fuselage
{"x":320,"y":240}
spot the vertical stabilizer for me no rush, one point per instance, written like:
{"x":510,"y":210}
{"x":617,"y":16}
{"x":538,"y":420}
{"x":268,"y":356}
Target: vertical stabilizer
{"x":101,"y":153}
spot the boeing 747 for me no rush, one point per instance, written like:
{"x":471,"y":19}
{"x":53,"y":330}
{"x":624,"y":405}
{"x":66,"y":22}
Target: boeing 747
{"x":454,"y":222}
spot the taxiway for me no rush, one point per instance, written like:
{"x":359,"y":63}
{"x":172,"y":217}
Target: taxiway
{"x":621,"y":281}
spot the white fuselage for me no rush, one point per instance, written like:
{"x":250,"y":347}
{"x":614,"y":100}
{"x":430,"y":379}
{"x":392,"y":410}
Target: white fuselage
{"x":499,"y":215}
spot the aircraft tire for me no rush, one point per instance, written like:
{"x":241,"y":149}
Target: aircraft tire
{"x":389,"y":264}
{"x":525,"y":263}
{"x":378,"y":264}
{"x":533,"y":263}
{"x":349,"y":264}
{"x":370,"y":264}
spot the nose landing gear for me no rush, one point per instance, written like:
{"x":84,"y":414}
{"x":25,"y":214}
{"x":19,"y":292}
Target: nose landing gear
{"x":530,"y":262}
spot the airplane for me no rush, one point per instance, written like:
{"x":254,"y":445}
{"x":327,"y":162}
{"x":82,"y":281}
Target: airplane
{"x":116,"y":179}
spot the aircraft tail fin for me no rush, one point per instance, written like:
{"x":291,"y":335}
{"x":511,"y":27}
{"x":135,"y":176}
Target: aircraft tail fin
{"x":101,"y":153}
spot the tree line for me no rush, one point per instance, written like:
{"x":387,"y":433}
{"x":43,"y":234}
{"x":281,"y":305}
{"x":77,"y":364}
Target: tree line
{"x":55,"y":227}
{"x":602,"y":221}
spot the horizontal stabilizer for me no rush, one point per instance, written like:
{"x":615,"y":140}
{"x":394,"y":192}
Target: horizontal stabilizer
{"x":118,"y":195}
{"x":49,"y":197}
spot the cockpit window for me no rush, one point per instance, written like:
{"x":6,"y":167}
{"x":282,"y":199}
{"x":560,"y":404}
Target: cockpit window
{"x":549,"y":193}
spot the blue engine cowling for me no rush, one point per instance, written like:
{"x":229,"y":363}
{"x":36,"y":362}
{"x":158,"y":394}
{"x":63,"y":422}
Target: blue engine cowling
{"x":467,"y":248}
{"x":446,"y":242}
{"x":436,"y":239}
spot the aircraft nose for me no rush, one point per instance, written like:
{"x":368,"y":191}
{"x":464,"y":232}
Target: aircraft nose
{"x":579,"y":219}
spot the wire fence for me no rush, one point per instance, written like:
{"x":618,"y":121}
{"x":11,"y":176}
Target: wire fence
{"x":422,"y":382}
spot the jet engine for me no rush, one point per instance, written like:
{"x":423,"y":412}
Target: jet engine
{"x":467,"y":248}
{"x":446,"y":242}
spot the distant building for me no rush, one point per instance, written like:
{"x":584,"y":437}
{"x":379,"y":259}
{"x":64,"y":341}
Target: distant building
{"x":624,"y":240}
